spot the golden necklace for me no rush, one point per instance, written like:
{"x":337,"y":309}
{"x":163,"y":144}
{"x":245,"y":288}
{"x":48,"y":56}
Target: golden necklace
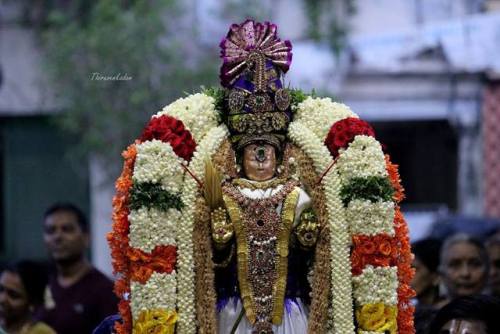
{"x":254,"y":185}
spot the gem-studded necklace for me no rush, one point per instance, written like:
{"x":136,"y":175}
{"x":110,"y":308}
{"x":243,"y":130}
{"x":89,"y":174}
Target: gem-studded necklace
{"x":262,"y":236}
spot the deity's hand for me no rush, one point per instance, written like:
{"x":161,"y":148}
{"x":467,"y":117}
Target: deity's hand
{"x":222,"y":228}
{"x":308,"y":229}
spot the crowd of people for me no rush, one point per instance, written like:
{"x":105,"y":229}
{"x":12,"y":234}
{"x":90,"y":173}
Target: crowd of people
{"x":457,"y":284}
{"x":66,"y":296}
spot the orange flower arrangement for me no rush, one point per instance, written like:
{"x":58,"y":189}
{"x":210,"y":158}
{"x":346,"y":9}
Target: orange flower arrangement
{"x":118,"y":238}
{"x":405,"y":271}
{"x":380,"y":251}
{"x":161,"y":259}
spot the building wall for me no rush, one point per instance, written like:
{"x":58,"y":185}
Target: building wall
{"x":36,"y":171}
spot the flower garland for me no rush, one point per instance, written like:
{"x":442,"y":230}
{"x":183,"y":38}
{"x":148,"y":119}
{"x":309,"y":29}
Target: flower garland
{"x":377,"y":318}
{"x":344,"y":131}
{"x":119,"y":242}
{"x":369,"y":218}
{"x":142,"y":265}
{"x":405,"y":270}
{"x":376,"y":285}
{"x":318,"y":114}
{"x":185,"y":265}
{"x":363,"y":158}
{"x":155,"y":321}
{"x":143,"y":237}
{"x":378,"y":251}
{"x":152,"y":227}
{"x":370,"y":188}
{"x":170,"y":130}
{"x":157,"y":293}
{"x":342,"y":312}
{"x":157,"y":162}
{"x":197,"y":112}
{"x":380,"y":256}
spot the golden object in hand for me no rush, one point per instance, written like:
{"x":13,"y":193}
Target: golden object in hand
{"x":222,"y":228}
{"x":308,"y":230}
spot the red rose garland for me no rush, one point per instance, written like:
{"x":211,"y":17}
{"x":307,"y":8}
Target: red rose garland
{"x":343,"y":132}
{"x":170,"y":130}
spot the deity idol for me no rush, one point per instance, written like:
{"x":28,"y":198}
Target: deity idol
{"x":259,"y":209}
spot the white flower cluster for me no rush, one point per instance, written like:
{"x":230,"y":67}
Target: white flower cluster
{"x":363,"y":158}
{"x":376,"y":285}
{"x":340,"y":242}
{"x":185,"y":265}
{"x":342,"y":311}
{"x":319,"y":114}
{"x":304,"y":138}
{"x":152,"y":227}
{"x":158,"y":292}
{"x":196,"y":111}
{"x":367,"y":218}
{"x":156,"y":162}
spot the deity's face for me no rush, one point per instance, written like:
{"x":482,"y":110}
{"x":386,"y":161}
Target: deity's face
{"x":259,"y":161}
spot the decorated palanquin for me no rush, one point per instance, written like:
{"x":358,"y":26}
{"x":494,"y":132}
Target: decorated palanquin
{"x":255,"y":208}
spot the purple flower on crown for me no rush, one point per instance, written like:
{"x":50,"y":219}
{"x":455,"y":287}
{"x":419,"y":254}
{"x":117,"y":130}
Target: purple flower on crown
{"x":250,"y":36}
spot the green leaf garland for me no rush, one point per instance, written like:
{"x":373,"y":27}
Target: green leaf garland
{"x":152,"y":195}
{"x":373,"y":188}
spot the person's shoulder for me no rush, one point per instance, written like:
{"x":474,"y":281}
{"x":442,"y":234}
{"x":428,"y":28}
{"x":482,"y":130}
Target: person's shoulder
{"x":99,"y":278}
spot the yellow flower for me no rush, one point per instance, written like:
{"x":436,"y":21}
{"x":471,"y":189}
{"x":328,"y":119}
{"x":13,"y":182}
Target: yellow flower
{"x":377,"y":318}
{"x":155,"y":321}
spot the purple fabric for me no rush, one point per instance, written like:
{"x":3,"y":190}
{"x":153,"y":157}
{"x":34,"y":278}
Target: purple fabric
{"x":250,"y":36}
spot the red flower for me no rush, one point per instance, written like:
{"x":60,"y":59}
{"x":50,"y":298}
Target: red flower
{"x":170,"y":130}
{"x":343,"y":132}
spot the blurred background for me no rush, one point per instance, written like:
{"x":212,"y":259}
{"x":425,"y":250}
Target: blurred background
{"x":79,"y":79}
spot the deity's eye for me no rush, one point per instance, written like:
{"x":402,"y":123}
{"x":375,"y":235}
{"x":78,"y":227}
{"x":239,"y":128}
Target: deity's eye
{"x":260,"y":153}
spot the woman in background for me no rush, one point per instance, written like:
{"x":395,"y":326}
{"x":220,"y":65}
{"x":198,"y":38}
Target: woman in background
{"x":463,"y":266}
{"x":22,"y":287}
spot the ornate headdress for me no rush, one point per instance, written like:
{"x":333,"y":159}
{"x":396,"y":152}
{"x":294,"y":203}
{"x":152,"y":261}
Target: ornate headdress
{"x":257,"y":105}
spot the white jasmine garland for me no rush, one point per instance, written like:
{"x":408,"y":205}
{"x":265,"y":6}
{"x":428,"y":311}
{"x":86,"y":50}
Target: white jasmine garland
{"x":376,"y":285}
{"x":304,"y":138}
{"x":363,"y":158}
{"x":342,"y":311}
{"x":185,"y":263}
{"x":369,"y":218}
{"x":157,"y":292}
{"x":152,"y":227}
{"x":196,"y":111}
{"x":340,"y":242}
{"x":319,"y":114}
{"x":156,"y":162}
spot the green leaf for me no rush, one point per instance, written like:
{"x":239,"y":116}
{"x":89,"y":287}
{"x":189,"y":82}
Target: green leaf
{"x":372,"y":188}
{"x":152,"y":195}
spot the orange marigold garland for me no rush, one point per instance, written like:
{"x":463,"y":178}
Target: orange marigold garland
{"x":380,"y":251}
{"x":142,"y":265}
{"x":118,"y":239}
{"x":405,"y":271}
